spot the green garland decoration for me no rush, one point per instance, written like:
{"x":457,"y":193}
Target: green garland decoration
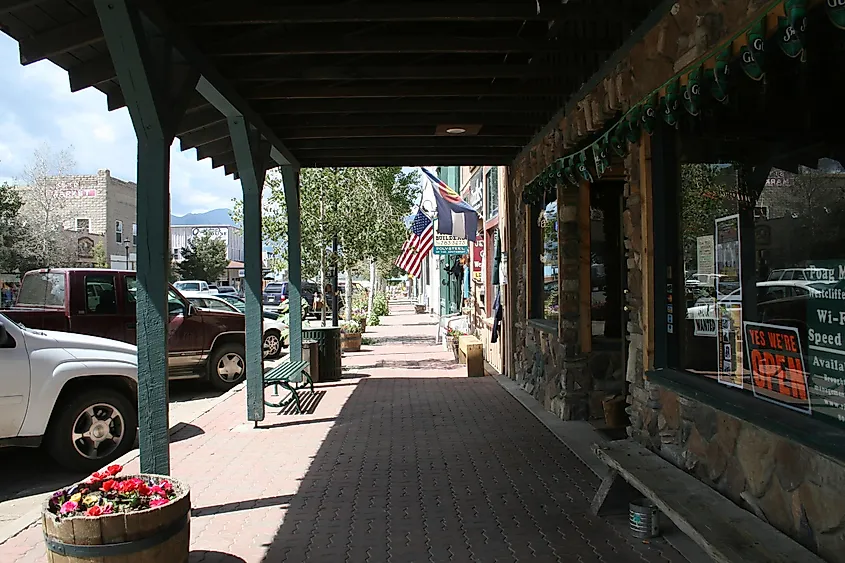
{"x":592,"y":161}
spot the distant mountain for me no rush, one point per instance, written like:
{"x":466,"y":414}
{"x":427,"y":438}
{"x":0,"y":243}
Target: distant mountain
{"x":213,"y":217}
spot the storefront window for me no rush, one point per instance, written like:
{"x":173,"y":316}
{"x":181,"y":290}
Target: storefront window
{"x":548,"y":222}
{"x":492,"y":207}
{"x":606,"y":257}
{"x":764,"y":283}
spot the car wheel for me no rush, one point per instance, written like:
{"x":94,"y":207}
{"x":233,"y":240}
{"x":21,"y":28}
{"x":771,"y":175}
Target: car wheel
{"x":227,"y":367}
{"x":91,"y":429}
{"x":272,"y":344}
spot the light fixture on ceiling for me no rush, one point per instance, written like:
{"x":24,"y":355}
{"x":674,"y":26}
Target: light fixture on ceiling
{"x":456,"y":130}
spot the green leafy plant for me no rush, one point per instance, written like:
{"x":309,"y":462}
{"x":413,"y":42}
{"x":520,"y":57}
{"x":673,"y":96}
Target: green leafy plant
{"x":350,"y":327}
{"x":380,"y":306}
{"x":454,"y":333}
{"x":373,"y":320}
{"x":359,"y":317}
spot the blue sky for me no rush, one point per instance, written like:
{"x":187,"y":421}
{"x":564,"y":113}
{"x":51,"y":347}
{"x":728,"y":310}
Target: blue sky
{"x":36,"y":106}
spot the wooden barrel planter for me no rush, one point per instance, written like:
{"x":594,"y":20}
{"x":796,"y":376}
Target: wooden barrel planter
{"x":350,"y":342}
{"x":155,"y":535}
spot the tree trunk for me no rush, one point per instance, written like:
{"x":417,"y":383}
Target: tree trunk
{"x":372,"y":287}
{"x":348,"y":313}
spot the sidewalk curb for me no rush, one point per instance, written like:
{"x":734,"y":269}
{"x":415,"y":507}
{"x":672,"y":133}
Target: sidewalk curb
{"x":31,"y":518}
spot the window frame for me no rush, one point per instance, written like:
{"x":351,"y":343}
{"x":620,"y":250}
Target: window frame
{"x":76,"y":224}
{"x":85,"y":282}
{"x":491,"y":174}
{"x":134,"y":234}
{"x":815,"y":433}
{"x":118,"y":231}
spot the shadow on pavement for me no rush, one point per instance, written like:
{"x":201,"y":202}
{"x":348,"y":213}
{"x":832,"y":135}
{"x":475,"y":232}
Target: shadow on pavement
{"x":447,"y":469}
{"x":186,"y":432}
{"x":203,"y":556}
{"x":403,"y":339}
{"x":293,"y":423}
{"x":280,"y":500}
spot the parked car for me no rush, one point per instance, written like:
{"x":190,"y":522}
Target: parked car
{"x":276,"y":293}
{"x":240,"y":304}
{"x":226,"y":289}
{"x":202,"y":344}
{"x":275,"y":331}
{"x":74,"y":394}
{"x":192,"y":285}
{"x":811,"y":274}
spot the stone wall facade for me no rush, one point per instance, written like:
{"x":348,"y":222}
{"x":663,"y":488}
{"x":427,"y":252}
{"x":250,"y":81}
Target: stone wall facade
{"x":794,"y":488}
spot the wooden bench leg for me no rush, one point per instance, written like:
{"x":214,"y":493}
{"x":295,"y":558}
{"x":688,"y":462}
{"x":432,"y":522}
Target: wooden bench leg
{"x":614,"y":496}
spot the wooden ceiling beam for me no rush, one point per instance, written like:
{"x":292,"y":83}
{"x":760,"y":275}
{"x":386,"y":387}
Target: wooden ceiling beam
{"x":451,"y":88}
{"x":408,"y":131}
{"x":281,"y":44}
{"x":9,"y":6}
{"x":61,"y":39}
{"x":91,"y":72}
{"x":223,"y":159}
{"x":422,"y":160}
{"x":204,"y":136}
{"x":191,"y":121}
{"x":389,"y":119}
{"x":471,"y":143}
{"x":223,"y":12}
{"x":214,"y":148}
{"x":432,"y":153}
{"x":410,"y":105}
{"x":419,"y":72}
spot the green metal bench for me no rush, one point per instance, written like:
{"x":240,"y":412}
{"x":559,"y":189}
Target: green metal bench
{"x":290,"y":376}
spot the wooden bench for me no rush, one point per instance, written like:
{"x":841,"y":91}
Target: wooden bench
{"x":726,"y":532}
{"x":470,"y":352}
{"x":291,"y":376}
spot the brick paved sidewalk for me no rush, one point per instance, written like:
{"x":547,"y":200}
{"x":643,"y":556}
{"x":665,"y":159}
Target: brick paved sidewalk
{"x":395,"y":464}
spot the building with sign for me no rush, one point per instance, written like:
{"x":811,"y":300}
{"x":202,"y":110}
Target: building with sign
{"x":96,"y":208}
{"x":181,"y":236}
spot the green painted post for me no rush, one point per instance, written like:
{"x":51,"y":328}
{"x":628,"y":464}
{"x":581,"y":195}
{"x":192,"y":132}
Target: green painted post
{"x":252,"y":157}
{"x":290,"y":177}
{"x":157,"y":84}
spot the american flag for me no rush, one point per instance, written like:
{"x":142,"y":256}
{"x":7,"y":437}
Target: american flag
{"x":418,"y":245}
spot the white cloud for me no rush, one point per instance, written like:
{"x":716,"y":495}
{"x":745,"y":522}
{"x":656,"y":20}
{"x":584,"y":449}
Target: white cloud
{"x":36,"y":106}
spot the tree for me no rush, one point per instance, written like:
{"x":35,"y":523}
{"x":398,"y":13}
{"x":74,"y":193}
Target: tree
{"x":44,"y":179}
{"x":365,"y":207}
{"x":14,"y":235}
{"x":100,"y":258}
{"x":204,"y":258}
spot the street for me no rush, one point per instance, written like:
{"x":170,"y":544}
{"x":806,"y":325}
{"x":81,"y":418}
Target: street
{"x":27,"y":474}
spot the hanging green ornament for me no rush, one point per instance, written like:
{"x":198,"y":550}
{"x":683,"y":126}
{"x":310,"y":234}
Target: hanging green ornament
{"x":649,"y":116}
{"x":569,"y":171}
{"x":634,"y":121}
{"x":618,"y":140}
{"x":692,"y":93}
{"x":671,"y":102}
{"x":600,"y":155}
{"x":719,"y":93}
{"x":583,"y":171}
{"x":752,"y":55}
{"x":836,"y":12}
{"x":792,"y":27}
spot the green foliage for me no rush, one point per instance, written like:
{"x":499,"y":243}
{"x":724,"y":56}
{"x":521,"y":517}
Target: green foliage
{"x":100,"y":259}
{"x":373,"y":320}
{"x":15,"y":237}
{"x":380,"y":306}
{"x":365,"y":207}
{"x":707,"y":193}
{"x":203,"y":259}
{"x":350,"y":327}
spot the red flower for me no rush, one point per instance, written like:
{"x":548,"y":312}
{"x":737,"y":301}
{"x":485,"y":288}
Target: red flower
{"x":158,"y":490}
{"x":165,"y":484}
{"x":143,"y":489}
{"x":109,"y":485}
{"x":96,"y":477}
{"x":94,"y":511}
{"x":113,"y":470}
{"x":158,"y":502}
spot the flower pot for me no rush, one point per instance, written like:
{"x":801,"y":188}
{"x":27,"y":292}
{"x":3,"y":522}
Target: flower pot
{"x":419,"y":309}
{"x":161,"y":534}
{"x":350,"y":342}
{"x":452,"y":344}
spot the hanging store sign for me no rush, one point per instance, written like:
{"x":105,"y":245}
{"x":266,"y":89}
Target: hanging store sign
{"x":777,"y":366}
{"x":478,"y":262}
{"x":447,"y":245}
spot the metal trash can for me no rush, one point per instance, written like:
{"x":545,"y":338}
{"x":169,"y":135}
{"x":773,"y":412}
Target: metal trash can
{"x":311,"y":354}
{"x":328,"y":356}
{"x":643,"y":519}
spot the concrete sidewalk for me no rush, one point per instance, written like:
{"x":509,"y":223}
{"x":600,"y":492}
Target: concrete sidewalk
{"x":401,"y":462}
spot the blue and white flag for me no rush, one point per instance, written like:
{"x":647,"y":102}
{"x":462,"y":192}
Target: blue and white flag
{"x":454,"y":216}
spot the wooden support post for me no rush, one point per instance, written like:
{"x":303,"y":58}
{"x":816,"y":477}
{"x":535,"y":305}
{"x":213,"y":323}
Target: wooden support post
{"x":647,"y":221}
{"x":157,"y":83}
{"x":252,"y":157}
{"x":290,"y":178}
{"x":585,"y":294}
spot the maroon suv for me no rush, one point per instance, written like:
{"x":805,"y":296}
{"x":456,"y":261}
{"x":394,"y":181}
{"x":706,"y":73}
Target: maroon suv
{"x":202,"y":344}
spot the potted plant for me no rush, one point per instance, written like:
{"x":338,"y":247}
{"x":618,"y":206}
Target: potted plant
{"x":350,"y":336}
{"x":126,"y":518}
{"x":360,"y":317}
{"x":453,"y":336}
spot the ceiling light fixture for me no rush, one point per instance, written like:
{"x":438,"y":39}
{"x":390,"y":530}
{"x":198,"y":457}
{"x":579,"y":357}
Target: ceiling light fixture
{"x":456,"y":130}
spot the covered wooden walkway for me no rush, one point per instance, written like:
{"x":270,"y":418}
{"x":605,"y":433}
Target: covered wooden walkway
{"x":255,"y":85}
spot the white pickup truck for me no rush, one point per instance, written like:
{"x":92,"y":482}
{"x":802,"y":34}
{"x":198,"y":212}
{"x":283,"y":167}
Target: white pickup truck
{"x":75,"y":394}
